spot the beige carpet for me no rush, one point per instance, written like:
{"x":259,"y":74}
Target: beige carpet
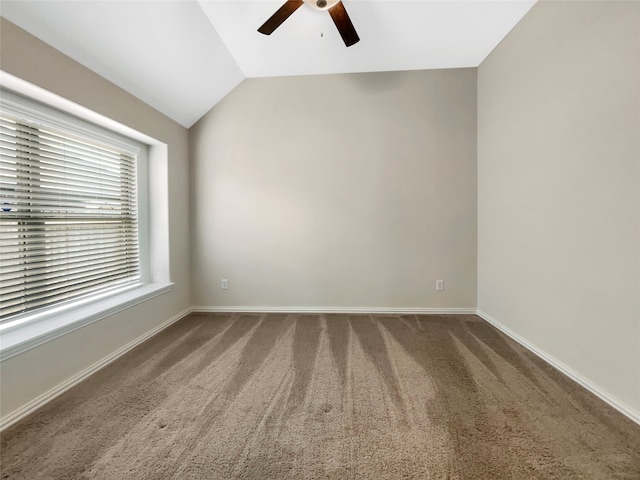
{"x":278,"y":396}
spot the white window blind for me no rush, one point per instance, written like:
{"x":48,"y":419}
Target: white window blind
{"x":68,"y":219}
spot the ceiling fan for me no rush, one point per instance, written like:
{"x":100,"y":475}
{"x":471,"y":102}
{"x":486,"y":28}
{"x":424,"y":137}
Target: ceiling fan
{"x":336,"y":10}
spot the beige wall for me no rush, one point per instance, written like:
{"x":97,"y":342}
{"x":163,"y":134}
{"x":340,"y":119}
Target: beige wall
{"x":338,"y":191}
{"x":34,"y":372}
{"x":558,"y":189}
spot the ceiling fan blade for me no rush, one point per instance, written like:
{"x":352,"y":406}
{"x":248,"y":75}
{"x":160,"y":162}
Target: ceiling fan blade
{"x":280,"y":16}
{"x":343,"y":24}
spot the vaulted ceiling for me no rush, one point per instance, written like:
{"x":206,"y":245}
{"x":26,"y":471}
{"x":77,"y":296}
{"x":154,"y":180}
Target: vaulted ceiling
{"x":183,"y":56}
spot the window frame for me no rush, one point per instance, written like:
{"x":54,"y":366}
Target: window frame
{"x":42,"y":118}
{"x":30,"y":329}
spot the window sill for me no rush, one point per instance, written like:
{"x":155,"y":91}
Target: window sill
{"x":16,"y":339}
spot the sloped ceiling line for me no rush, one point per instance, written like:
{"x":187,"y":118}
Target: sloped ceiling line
{"x":182,"y":57}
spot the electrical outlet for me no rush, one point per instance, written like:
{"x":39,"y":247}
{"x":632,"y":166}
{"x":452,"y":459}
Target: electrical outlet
{"x":439,"y":285}
{"x":224,"y":283}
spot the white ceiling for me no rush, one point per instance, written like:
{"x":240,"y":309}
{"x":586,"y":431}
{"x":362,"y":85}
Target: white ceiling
{"x":184,"y":56}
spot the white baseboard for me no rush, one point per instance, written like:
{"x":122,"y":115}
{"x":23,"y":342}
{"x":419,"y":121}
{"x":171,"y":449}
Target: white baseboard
{"x":576,"y":377}
{"x":46,"y":397}
{"x":390,"y":310}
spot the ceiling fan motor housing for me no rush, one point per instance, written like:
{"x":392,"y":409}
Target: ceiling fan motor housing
{"x":321,"y":4}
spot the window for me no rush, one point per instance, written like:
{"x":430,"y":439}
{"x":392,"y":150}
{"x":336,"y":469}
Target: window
{"x":69,"y":218}
{"x":75,"y":242}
